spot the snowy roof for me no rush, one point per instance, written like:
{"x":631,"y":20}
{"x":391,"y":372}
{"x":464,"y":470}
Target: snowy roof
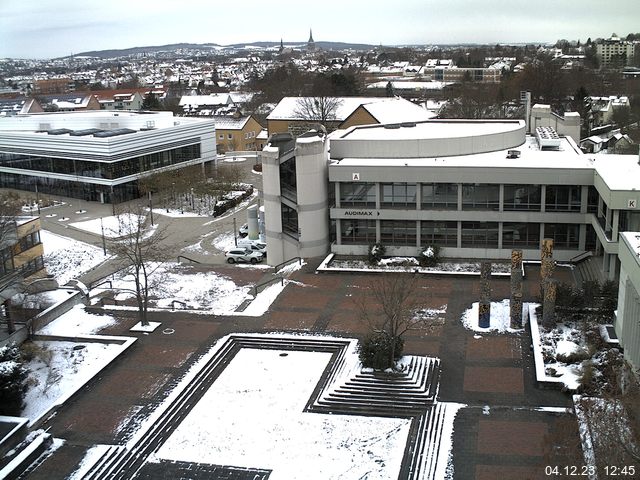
{"x":397,"y":110}
{"x":619,"y":172}
{"x":286,"y":109}
{"x":400,"y":85}
{"x":241,"y":97}
{"x":530,"y":157}
{"x":197,"y":100}
{"x":227,"y":122}
{"x":433,"y":130}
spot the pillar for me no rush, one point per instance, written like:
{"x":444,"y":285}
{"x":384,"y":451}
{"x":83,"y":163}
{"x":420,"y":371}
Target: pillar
{"x":549,"y":304}
{"x":484,"y":308}
{"x":515,"y":302}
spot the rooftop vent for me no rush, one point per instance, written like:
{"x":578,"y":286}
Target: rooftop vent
{"x":113,"y":133}
{"x":513,"y":154}
{"x":84,"y":133}
{"x":59,"y":131}
{"x":547,"y":138}
{"x":392,"y":126}
{"x":408,"y":124}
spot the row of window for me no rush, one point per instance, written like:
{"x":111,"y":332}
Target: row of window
{"x":26,"y":242}
{"x":111,"y":170}
{"x":445,"y":234}
{"x":478,"y":196}
{"x":247,"y":135}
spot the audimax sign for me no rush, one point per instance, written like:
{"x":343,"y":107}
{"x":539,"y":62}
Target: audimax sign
{"x":360,"y":213}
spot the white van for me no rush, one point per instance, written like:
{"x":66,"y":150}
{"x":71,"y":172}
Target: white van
{"x":254,"y":245}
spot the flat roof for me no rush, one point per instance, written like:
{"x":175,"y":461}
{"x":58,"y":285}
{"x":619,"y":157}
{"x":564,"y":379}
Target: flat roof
{"x":566,"y":156}
{"x":619,"y":172}
{"x":431,"y":129}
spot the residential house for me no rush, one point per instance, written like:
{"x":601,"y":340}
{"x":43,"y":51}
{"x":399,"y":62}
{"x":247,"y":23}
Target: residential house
{"x":288,"y":116}
{"x":69,"y":102}
{"x":19,"y":106}
{"x":236,"y":133}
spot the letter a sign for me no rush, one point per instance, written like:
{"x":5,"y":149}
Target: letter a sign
{"x":355,"y":177}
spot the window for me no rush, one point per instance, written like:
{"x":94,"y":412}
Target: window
{"x":221,"y":136}
{"x":440,"y":196}
{"x":563,"y":198}
{"x":229,"y":136}
{"x":29,"y":241}
{"x":6,"y":261}
{"x":399,"y":195}
{"x":592,"y":199}
{"x":564,"y":235}
{"x":522,"y":197}
{"x":398,"y":232}
{"x":289,"y":221}
{"x":358,"y":195}
{"x":358,"y":231}
{"x":524,"y":235}
{"x":443,"y":234}
{"x":480,"y":234}
{"x":480,"y":196}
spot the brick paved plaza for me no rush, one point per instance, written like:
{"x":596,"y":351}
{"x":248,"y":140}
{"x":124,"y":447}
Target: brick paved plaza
{"x":501,"y":434}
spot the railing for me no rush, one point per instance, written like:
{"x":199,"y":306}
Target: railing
{"x":92,"y":286}
{"x":173,"y":304}
{"x":188,"y":259}
{"x":261,"y":286}
{"x":581,"y":256}
{"x":286,"y":262}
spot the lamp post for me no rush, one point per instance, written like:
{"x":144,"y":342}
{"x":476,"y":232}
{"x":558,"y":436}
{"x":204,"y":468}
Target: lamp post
{"x":104,"y":243}
{"x":151,"y":209}
{"x":235,"y":231}
{"x":37,"y":197}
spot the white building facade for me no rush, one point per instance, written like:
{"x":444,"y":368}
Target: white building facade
{"x":477,"y":189}
{"x":99,"y":155}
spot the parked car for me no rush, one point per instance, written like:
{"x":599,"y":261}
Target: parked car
{"x":255,"y":245}
{"x":243,"y":231}
{"x":243,"y":255}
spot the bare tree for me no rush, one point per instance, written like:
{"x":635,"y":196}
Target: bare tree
{"x":322,"y":110}
{"x":142,"y":251}
{"x":391,"y":306}
{"x":612,"y":421}
{"x":11,"y":280}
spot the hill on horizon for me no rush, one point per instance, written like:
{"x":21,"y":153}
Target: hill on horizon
{"x":123,"y":52}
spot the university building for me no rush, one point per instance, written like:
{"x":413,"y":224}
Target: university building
{"x":99,"y":155}
{"x":477,"y":189}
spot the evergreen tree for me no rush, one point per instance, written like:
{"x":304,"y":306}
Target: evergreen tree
{"x":150,"y":102}
{"x":390,"y":91}
{"x":13,"y":378}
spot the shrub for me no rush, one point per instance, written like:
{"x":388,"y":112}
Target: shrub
{"x":429,"y":256}
{"x":375,"y":350}
{"x":13,"y":378}
{"x":376,"y":252}
{"x":257,"y":167}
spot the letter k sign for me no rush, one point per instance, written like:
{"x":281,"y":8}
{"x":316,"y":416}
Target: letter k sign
{"x":632,"y":203}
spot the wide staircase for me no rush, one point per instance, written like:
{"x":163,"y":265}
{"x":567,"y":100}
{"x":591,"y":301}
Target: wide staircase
{"x":344,"y":388}
{"x":587,"y":270}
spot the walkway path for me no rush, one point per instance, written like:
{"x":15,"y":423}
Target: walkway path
{"x":500,"y":435}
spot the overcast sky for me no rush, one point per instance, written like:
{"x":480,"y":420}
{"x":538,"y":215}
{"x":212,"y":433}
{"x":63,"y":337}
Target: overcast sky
{"x":52,"y":28}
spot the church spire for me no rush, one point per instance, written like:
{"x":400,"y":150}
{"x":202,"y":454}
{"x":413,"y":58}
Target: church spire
{"x":311,"y":45}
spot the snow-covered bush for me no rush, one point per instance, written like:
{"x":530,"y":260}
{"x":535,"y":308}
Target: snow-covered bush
{"x":376,"y":252}
{"x":375,"y":350}
{"x":13,"y":378}
{"x":429,"y":256}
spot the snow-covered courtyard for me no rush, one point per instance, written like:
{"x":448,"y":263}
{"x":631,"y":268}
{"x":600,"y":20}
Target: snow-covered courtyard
{"x":253,"y":416}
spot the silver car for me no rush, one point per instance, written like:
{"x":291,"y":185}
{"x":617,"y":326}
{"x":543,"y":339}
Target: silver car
{"x":243,"y":255}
